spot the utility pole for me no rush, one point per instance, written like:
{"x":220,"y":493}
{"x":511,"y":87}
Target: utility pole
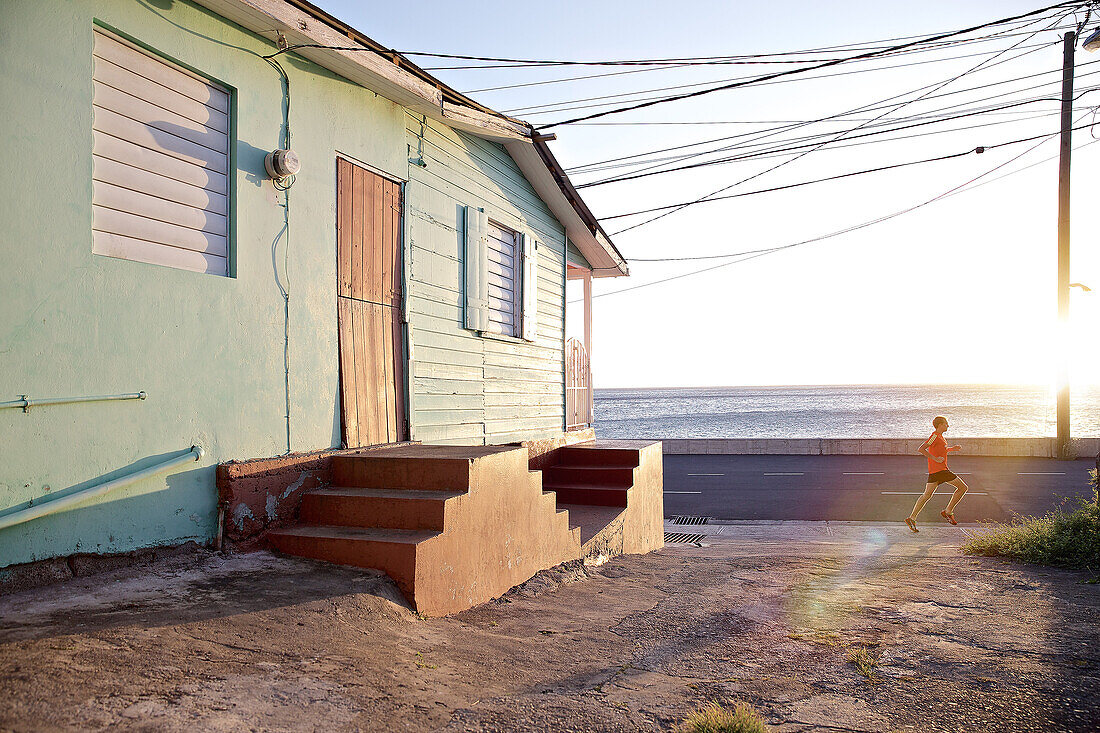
{"x":1064,"y":445}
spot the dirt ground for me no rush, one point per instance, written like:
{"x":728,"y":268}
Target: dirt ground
{"x":763,"y":612}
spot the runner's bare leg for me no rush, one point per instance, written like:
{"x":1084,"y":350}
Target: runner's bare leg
{"x":960,"y":489}
{"x":929,"y":489}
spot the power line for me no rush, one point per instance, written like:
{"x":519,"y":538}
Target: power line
{"x":977,"y":150}
{"x":784,"y":80}
{"x":540,"y":109}
{"x":814,"y":146}
{"x":728,"y":255}
{"x":567,"y":79}
{"x":869,"y":54}
{"x":753,"y":254}
{"x":984,"y":86}
{"x":920,"y":121}
{"x":769,"y":154}
{"x":750,"y":156}
{"x":861,"y":46}
{"x":931,"y":88}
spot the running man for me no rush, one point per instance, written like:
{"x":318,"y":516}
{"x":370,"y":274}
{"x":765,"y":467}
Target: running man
{"x":935,"y":449}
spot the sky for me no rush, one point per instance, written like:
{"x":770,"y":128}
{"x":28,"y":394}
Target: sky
{"x":959,"y":291}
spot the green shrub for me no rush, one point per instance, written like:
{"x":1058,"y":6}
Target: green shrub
{"x":713,"y":718}
{"x":1061,"y":537}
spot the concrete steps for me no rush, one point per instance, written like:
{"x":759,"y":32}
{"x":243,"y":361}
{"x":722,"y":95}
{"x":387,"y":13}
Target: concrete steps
{"x":593,"y":495}
{"x":393,"y":551}
{"x":364,"y":507}
{"x":453,"y":526}
{"x":593,"y":476}
{"x":584,"y":475}
{"x":593,"y":454}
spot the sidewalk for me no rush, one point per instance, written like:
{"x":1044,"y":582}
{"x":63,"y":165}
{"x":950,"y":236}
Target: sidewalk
{"x":764,"y":611}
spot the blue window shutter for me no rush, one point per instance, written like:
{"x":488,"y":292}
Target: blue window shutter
{"x":477,"y":285}
{"x":529,"y":319}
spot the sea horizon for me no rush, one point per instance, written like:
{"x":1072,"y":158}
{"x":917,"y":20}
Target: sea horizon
{"x":840,"y":411}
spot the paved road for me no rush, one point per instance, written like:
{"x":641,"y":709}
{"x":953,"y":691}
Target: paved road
{"x":873,"y":488}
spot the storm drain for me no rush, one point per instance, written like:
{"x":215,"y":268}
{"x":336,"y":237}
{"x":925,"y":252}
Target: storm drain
{"x":691,"y":520}
{"x":680,"y":538}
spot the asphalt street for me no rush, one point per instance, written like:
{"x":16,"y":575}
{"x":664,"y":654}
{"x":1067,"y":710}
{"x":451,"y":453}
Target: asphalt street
{"x":870,"y":488}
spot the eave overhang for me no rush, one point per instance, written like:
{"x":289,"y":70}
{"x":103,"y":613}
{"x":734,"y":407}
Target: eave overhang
{"x":393,"y":76}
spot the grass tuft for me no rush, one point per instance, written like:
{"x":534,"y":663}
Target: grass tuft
{"x":713,"y":718}
{"x":1061,"y":537}
{"x":865,"y":663}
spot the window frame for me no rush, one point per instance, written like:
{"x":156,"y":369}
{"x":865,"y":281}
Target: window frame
{"x":517,"y":281}
{"x":99,"y":25}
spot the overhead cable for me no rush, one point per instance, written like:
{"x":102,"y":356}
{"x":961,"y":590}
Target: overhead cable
{"x":753,"y":254}
{"x":976,"y":150}
{"x":774,"y":75}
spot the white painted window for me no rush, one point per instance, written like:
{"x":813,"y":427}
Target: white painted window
{"x":161,"y":161}
{"x":500,"y":278}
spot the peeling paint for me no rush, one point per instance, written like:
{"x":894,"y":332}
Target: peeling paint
{"x":240,"y":513}
{"x":297,"y":484}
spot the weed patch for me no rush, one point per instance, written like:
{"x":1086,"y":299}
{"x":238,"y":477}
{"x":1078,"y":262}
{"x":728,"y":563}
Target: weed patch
{"x":865,"y":663}
{"x":1061,"y":537}
{"x":714,"y":718}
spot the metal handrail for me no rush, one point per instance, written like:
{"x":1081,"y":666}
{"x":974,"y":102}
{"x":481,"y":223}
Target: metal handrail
{"x":26,"y":402}
{"x":40,"y":510}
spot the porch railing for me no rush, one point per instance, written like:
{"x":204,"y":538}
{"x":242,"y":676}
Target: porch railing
{"x":578,"y":386}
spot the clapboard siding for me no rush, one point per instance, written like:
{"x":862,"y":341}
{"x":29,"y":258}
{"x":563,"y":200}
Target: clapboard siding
{"x":476,"y":160}
{"x":466,"y":387}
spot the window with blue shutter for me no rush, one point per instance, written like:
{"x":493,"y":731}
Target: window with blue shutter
{"x":501,"y":273}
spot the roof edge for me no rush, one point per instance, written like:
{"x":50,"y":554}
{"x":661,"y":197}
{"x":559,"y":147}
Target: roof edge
{"x":392,"y":75}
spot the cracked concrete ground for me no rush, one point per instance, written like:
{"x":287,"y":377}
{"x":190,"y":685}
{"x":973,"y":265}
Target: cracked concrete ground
{"x":763,"y":612}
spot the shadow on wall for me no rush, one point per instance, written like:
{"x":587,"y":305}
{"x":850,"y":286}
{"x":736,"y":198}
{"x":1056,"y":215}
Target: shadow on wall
{"x":460,"y":237}
{"x":161,"y":510}
{"x":47,"y":494}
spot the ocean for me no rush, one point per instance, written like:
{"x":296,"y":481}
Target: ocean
{"x":847,"y":411}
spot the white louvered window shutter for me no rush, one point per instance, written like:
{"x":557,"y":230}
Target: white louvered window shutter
{"x":477,"y":285}
{"x":529,"y":318}
{"x":160,"y":153}
{"x":503,"y":276}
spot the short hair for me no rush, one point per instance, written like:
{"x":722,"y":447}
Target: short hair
{"x":938,"y":419}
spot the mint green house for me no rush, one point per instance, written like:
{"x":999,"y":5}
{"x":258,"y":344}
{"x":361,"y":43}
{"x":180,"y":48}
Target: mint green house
{"x":405,"y":283}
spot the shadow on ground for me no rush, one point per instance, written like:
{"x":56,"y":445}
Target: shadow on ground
{"x":765,"y":614}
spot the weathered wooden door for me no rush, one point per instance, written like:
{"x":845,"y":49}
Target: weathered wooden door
{"x":369,"y":285}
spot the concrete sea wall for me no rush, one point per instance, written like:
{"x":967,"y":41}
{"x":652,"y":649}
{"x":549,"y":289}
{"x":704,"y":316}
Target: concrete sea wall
{"x":1015,"y":447}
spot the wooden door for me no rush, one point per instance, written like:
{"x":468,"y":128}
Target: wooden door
{"x":369,"y":289}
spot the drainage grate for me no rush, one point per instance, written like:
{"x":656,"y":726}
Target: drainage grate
{"x":680,"y":538}
{"x":691,"y":520}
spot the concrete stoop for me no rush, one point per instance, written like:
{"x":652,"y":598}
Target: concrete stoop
{"x":455,"y":526}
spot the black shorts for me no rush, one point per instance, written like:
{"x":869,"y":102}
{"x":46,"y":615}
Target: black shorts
{"x":941,"y":477}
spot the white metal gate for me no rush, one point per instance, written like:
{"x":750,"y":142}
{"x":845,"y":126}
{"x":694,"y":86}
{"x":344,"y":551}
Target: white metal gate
{"x":578,"y":386}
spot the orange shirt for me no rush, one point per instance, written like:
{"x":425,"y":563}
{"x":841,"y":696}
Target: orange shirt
{"x":937,"y":446}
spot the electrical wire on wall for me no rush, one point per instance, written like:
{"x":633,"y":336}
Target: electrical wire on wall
{"x":283,"y":279}
{"x":282,"y":185}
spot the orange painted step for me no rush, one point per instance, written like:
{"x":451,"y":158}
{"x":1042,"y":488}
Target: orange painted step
{"x":572,"y":455}
{"x":383,"y":508}
{"x":592,"y":495}
{"x":393,"y":551}
{"x":401,"y":472}
{"x":590,"y":475}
